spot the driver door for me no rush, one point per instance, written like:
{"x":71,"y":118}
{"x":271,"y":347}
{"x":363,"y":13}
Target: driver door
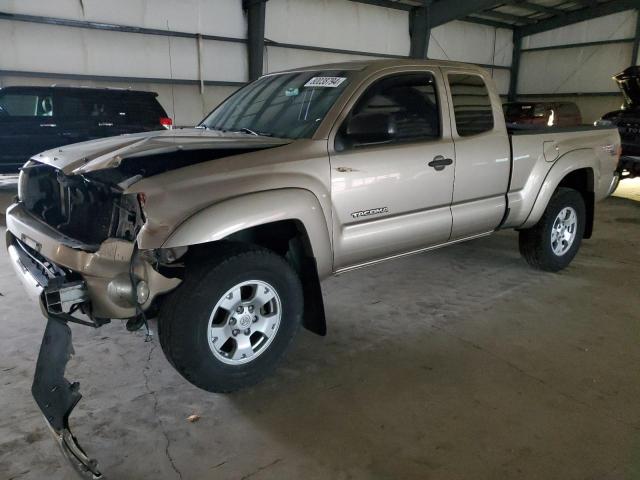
{"x":392,"y":186}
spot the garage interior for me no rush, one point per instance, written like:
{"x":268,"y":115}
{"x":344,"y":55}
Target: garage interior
{"x":454,"y":364}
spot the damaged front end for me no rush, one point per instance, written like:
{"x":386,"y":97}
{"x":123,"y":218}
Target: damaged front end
{"x":71,"y":241}
{"x":85,"y":229}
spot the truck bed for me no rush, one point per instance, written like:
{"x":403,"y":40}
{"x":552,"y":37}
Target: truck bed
{"x":536,"y":151}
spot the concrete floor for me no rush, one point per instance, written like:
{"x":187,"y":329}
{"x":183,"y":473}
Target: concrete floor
{"x":459,"y":364}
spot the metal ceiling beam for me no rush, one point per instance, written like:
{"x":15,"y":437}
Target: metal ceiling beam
{"x":441,"y":12}
{"x":387,"y":4}
{"x":446,"y":11}
{"x":575,"y":16}
{"x":489,"y":23}
{"x":507,"y":16}
{"x":534,"y":7}
{"x":636,"y":42}
{"x":255,"y":35}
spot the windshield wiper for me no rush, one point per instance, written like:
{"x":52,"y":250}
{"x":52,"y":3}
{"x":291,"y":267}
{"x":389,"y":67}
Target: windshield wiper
{"x":239,"y":130}
{"x":253,"y":132}
{"x":250,"y":132}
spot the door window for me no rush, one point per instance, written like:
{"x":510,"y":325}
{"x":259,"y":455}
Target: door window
{"x":471,"y":104}
{"x":401,"y":108}
{"x":26,"y":105}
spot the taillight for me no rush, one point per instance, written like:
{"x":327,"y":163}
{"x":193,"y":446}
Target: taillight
{"x":166,"y":122}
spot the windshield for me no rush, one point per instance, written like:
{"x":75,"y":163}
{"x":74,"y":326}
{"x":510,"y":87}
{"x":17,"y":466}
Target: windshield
{"x":289,"y":105}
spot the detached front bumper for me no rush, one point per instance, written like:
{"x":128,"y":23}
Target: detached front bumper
{"x":64,"y":276}
{"x":104,"y":268}
{"x":57,"y":397}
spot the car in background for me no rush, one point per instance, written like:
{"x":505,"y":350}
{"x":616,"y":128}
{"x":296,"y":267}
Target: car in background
{"x":627,"y":119}
{"x":541,"y":114}
{"x":33,"y":119}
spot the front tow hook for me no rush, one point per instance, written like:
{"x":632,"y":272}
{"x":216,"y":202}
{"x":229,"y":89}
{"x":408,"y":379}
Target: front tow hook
{"x":57,"y":397}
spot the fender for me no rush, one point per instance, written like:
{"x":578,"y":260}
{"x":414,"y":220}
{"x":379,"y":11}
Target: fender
{"x":222,"y":219}
{"x":567,"y":163}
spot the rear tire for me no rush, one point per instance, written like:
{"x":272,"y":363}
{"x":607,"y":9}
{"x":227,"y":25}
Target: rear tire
{"x":219,"y":329}
{"x":554,"y":241}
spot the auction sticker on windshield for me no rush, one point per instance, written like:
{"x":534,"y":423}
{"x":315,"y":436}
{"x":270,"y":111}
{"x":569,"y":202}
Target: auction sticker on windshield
{"x":326,"y":82}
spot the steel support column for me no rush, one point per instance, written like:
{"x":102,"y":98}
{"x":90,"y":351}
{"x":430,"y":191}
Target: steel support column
{"x":636,"y":41}
{"x":419,"y":30}
{"x":256,"y":10}
{"x":515,"y":66}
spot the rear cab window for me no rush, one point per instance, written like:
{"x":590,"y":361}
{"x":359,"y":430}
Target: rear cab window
{"x":472,"y":107}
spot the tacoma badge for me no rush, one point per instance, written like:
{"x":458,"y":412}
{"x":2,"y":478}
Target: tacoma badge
{"x":372,"y":211}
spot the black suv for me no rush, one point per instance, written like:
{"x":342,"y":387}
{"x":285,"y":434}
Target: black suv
{"x":628,"y":121}
{"x":34,"y":119}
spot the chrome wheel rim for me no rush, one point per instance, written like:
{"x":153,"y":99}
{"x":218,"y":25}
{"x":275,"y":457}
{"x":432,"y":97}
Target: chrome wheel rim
{"x":244,"y":322}
{"x":563,"y":231}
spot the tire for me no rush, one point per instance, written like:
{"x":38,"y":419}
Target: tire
{"x":537,"y":245}
{"x":189,"y":329}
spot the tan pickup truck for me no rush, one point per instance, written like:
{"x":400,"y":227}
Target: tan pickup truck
{"x":224,"y":232}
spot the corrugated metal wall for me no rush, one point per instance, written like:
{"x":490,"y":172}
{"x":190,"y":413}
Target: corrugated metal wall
{"x":81,"y":56}
{"x":469,"y":42}
{"x":337,"y":24}
{"x":585,"y":69}
{"x":36,"y":53}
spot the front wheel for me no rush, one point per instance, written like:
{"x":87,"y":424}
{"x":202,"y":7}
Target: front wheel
{"x":232,"y":319}
{"x":553,"y":242}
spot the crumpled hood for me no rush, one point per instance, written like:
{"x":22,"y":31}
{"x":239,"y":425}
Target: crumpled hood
{"x":108,"y":152}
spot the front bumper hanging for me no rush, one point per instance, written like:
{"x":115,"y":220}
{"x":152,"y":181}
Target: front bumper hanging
{"x":57,"y":397}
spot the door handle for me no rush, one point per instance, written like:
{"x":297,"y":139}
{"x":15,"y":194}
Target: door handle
{"x":48,"y":125}
{"x":439,"y":162}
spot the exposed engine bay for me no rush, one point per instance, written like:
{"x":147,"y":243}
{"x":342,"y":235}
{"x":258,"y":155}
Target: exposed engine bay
{"x":84,"y":209}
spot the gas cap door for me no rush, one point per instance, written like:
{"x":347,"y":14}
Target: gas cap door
{"x":550,"y":150}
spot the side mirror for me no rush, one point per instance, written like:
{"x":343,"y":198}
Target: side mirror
{"x":371,"y":127}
